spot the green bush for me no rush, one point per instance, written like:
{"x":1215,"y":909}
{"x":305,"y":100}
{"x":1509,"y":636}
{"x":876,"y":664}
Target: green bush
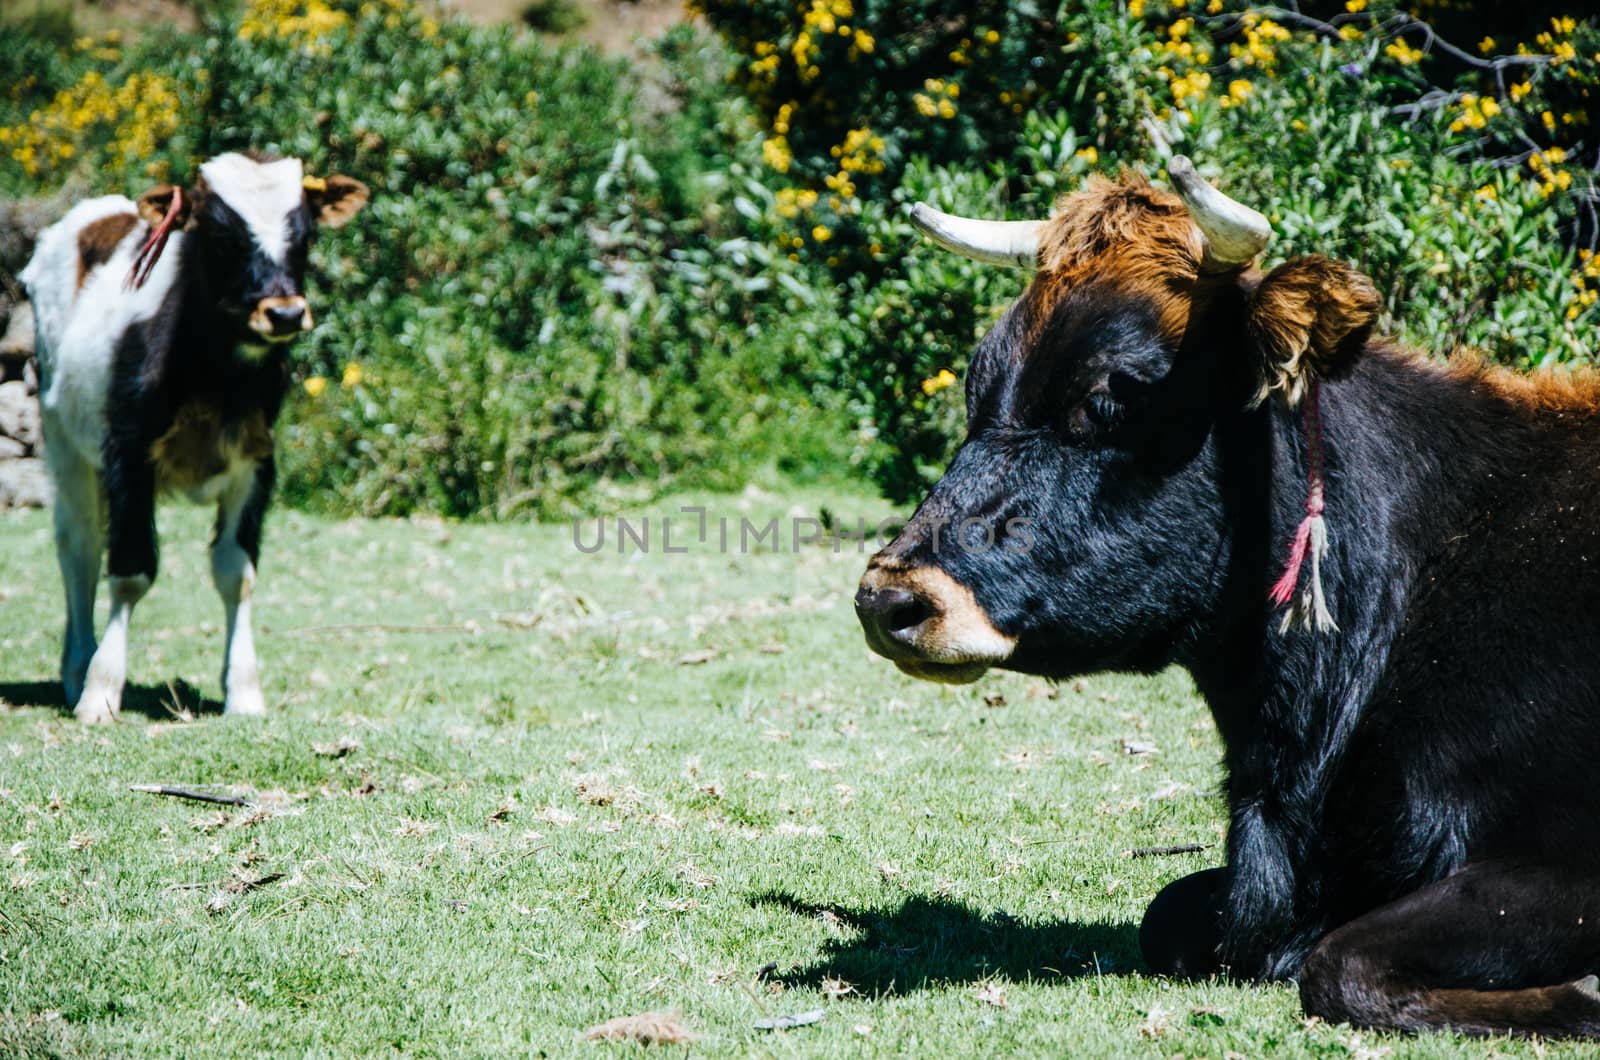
{"x":1450,"y":176}
{"x":561,"y":296}
{"x":580,"y":281}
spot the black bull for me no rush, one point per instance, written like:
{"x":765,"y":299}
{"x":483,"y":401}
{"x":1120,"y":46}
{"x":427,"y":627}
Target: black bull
{"x":1413,"y":798}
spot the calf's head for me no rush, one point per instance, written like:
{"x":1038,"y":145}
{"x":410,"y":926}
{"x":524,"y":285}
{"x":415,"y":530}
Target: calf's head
{"x":248,"y":224}
{"x":1082,"y":524}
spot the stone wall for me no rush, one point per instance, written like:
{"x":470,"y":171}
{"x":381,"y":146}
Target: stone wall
{"x":23,"y":481}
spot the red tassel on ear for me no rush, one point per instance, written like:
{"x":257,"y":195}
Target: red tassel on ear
{"x":145,"y":262}
{"x":1310,"y":538}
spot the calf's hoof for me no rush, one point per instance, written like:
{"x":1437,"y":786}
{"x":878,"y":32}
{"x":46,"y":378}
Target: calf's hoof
{"x":97,"y":707}
{"x":75,"y":673}
{"x":244,"y":703}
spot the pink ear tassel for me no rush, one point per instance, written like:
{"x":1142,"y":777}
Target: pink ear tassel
{"x":1310,"y":538}
{"x":145,"y":263}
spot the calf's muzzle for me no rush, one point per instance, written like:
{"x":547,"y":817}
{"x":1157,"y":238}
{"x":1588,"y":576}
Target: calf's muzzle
{"x":280,"y":319}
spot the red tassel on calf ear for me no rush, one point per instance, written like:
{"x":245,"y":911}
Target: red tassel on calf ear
{"x":144,"y":264}
{"x":1310,"y":538}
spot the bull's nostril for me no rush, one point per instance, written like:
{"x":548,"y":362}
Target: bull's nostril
{"x":893,"y":610}
{"x":904,"y":614}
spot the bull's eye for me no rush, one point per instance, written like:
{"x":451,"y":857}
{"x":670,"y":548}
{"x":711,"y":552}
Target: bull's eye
{"x":1102,"y":409}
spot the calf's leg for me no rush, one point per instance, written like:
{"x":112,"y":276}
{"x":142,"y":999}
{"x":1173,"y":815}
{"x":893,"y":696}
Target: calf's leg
{"x":131,"y":532}
{"x":1499,"y":947}
{"x":234,"y":551}
{"x":80,"y":538}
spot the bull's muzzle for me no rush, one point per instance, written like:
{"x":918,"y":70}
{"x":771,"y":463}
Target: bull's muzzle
{"x":928,"y":624}
{"x":281,"y":319}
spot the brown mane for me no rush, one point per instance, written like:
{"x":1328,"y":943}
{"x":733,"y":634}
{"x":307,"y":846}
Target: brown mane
{"x":1124,"y":233}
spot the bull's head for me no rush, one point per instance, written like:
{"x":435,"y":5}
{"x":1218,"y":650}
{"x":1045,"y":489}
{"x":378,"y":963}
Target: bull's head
{"x":248,"y":225}
{"x":1084,"y":523}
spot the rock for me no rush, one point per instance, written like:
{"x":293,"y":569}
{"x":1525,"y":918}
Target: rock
{"x":19,"y":413}
{"x":21,"y":221}
{"x":11,"y":449}
{"x":18,"y":339}
{"x":30,"y":376}
{"x":24,"y":484}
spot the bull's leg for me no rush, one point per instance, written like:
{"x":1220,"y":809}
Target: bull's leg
{"x":80,"y":538}
{"x":234,"y":551}
{"x":1183,"y":926}
{"x":1499,"y":947}
{"x":131,"y":534}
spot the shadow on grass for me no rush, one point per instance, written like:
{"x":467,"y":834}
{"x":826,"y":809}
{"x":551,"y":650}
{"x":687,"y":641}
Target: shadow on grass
{"x":158,"y":702}
{"x":932,"y":941}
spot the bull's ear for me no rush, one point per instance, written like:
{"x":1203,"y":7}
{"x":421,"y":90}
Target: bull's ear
{"x":154,"y":204}
{"x":335,"y":199}
{"x":1309,"y":319}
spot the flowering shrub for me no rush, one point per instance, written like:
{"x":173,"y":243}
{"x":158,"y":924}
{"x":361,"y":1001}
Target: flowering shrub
{"x":562,"y":295}
{"x":557,"y":298}
{"x":1454,"y":175}
{"x":125,"y":121}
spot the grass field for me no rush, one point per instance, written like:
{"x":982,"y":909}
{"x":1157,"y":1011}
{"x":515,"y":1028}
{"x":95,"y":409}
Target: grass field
{"x":508,"y":791}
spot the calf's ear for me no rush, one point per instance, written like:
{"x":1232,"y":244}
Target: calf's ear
{"x":1308,"y":320}
{"x":335,"y":199}
{"x":154,"y":204}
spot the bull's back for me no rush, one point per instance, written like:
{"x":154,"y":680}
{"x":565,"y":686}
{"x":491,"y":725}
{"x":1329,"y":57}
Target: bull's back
{"x":1491,"y":703}
{"x":83,"y":306}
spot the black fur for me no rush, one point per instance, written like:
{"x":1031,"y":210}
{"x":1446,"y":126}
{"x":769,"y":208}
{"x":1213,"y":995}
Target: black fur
{"x":197,"y":349}
{"x":1447,"y":732}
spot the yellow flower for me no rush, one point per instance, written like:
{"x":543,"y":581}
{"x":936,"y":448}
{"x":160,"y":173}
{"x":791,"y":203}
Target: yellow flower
{"x":1520,"y":89}
{"x":1486,"y":45}
{"x":1355,"y":6}
{"x":944,"y":380}
{"x":1549,"y":120}
{"x":1487,"y":192}
{"x":1089,"y":155}
{"x":864,"y":42}
{"x":315,"y":385}
{"x":1240,"y":89}
{"x":822,"y":233}
{"x":775,"y":153}
{"x":1403,"y":53}
{"x":351,"y":377}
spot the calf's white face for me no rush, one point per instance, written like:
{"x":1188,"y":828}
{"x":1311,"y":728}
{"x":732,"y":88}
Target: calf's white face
{"x":251,"y":223}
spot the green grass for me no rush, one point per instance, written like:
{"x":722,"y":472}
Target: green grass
{"x":550,"y":818}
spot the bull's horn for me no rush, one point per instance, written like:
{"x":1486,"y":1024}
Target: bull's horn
{"x":1234,"y":233}
{"x":1014,"y":243}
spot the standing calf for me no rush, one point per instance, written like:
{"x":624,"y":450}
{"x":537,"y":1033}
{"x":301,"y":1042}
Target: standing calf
{"x":163,"y":371}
